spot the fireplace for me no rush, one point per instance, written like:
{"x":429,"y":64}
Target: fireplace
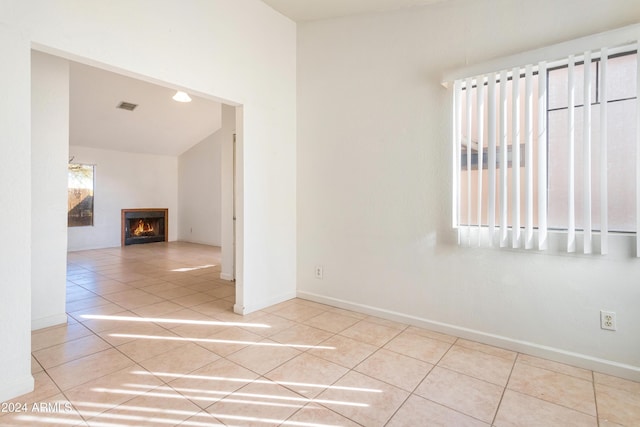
{"x":144,"y":226}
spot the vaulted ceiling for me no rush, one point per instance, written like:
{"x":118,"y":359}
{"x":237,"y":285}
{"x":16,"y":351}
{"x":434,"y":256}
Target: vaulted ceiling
{"x":158,"y":125}
{"x":312,"y":10}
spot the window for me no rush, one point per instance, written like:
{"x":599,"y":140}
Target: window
{"x":621,"y":129}
{"x":548,"y":146}
{"x":80,"y":195}
{"x":469,"y":189}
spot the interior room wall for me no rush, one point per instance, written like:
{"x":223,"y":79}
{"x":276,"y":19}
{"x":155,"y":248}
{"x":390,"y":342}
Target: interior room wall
{"x":199,"y":192}
{"x":15,"y":216}
{"x":374,"y":185}
{"x":212,"y":48}
{"x":49,"y":157}
{"x":205,"y":192}
{"x":124,"y":181}
{"x":227,"y":188}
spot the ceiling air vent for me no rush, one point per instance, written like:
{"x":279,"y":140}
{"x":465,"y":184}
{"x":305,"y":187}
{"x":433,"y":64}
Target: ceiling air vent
{"x":127,"y":106}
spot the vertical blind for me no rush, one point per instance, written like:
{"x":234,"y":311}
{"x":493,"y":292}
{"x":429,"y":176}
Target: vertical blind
{"x":501,"y":154}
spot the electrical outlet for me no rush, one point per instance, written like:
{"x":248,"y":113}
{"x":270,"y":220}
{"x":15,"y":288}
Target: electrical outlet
{"x":608,"y":320}
{"x":318,"y":272}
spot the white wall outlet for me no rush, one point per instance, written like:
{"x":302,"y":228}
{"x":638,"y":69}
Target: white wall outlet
{"x":318,"y":272}
{"x":608,"y":320}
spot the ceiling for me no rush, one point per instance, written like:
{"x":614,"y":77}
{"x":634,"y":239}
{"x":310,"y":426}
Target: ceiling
{"x":159,"y":125}
{"x":313,"y":10}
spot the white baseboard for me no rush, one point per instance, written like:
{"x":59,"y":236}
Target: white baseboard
{"x":575,"y":359}
{"x":45,"y":322}
{"x":16,"y":387}
{"x":227,"y":276}
{"x":246,"y":309}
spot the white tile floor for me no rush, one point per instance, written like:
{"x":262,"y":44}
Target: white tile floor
{"x":152,"y":341}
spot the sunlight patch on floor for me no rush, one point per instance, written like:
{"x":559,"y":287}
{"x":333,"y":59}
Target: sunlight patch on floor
{"x":215,"y":341}
{"x":185,"y":269}
{"x":163,"y":320}
{"x":247,"y":380}
{"x":229,"y":397}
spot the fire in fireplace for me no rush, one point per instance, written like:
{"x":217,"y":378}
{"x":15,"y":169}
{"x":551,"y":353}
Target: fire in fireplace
{"x":144,"y":226}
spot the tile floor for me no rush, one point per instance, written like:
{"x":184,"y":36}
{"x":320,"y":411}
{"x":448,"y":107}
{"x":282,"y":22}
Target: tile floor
{"x":152,"y":341}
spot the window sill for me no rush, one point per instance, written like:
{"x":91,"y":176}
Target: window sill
{"x":621,"y":245}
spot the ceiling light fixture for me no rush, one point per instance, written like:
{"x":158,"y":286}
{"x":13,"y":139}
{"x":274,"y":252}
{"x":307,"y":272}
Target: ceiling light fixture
{"x":181,"y":96}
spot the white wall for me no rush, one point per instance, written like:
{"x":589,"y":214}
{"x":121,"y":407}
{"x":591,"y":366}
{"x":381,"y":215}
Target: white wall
{"x":124,"y":181}
{"x":200,"y":191}
{"x":15,"y":215}
{"x":374,"y":184}
{"x":227,"y":198}
{"x":205,"y":192}
{"x":49,"y":151}
{"x":212,"y":48}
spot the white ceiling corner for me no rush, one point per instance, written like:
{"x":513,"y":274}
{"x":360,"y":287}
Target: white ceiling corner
{"x":313,"y":10}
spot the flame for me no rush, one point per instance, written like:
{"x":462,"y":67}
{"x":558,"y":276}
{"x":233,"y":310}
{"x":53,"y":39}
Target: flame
{"x":143,"y":228}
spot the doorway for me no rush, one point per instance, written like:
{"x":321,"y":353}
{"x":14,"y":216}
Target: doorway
{"x":59,"y":162}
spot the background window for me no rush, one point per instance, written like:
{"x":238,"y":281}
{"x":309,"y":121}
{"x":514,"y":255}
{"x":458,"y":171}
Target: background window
{"x":80,"y":195}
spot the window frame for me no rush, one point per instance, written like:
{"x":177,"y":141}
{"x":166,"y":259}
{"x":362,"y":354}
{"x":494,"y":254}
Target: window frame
{"x":622,"y":40}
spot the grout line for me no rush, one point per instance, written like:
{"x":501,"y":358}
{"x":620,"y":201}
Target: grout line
{"x":555,"y":371}
{"x":504,"y":389}
{"x":595,"y":396}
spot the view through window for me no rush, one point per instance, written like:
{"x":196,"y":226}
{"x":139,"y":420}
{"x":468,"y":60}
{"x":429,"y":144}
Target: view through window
{"x":621,"y":101}
{"x":80,"y":195}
